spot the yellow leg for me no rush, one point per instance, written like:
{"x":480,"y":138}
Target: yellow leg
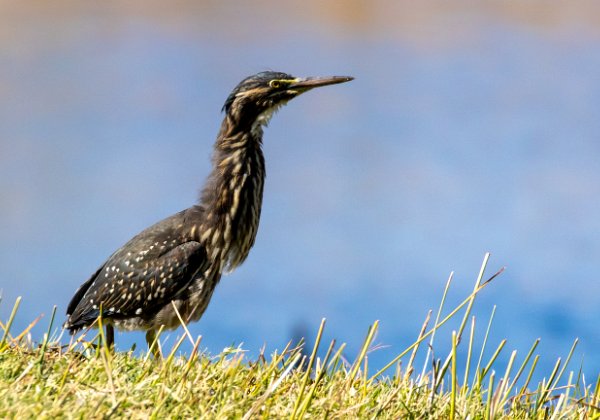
{"x":153,"y":344}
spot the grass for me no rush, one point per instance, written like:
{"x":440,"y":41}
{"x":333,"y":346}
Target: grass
{"x":50,"y":380}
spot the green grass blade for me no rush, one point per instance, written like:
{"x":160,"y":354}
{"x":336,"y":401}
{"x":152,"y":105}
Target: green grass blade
{"x":363,"y":352}
{"x":477,"y":378}
{"x":13,"y":314}
{"x":454,"y":390}
{"x":433,"y":330}
{"x":493,"y":359}
{"x":45,"y":341}
{"x":311,"y":362}
{"x":469,"y":354}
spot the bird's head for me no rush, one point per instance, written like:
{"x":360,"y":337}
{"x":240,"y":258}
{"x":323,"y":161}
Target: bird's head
{"x":256,"y":97}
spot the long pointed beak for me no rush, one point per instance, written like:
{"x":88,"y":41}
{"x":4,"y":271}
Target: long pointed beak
{"x":307,"y":83}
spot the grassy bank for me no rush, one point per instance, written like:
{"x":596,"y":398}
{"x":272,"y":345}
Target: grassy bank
{"x":79,"y":380}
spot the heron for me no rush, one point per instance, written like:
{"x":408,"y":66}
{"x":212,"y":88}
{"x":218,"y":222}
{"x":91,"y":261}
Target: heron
{"x":167,"y":273}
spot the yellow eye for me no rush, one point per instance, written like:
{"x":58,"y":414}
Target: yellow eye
{"x":275,"y":84}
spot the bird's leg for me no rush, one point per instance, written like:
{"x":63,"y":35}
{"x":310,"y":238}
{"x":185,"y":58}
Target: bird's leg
{"x":110,"y":336}
{"x":153,"y":344}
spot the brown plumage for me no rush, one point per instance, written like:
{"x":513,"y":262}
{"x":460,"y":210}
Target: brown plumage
{"x":178,"y":261}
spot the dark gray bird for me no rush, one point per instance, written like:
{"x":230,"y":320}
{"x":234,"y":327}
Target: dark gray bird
{"x":177,"y":262}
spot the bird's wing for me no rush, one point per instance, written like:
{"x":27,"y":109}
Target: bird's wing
{"x":81,"y":292}
{"x":128,"y":286}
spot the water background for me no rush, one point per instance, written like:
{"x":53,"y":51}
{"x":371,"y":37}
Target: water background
{"x":469,"y":128}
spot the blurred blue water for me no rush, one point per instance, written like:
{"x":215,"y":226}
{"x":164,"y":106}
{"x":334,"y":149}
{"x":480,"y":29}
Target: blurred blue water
{"x":439,"y":151}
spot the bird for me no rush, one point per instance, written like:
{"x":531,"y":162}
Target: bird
{"x":170,"y":270}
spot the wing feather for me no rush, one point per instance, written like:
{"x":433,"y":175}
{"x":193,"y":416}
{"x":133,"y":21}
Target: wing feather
{"x":126,"y":287}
